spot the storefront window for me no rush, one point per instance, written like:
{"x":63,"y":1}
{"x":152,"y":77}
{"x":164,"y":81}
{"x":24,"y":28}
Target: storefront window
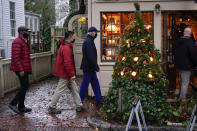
{"x":113,"y":25}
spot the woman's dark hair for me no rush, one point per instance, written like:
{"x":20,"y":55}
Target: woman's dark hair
{"x":68,"y":34}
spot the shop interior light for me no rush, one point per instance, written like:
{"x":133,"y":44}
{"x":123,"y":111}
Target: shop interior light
{"x":111,"y":26}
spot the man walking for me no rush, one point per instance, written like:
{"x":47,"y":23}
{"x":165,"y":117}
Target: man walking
{"x":185,"y":59}
{"x":90,"y":67}
{"x":21,"y":65}
{"x":65,"y":70}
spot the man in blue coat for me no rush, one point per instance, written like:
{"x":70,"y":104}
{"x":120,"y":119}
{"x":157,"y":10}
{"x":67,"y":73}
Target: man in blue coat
{"x":90,"y":67}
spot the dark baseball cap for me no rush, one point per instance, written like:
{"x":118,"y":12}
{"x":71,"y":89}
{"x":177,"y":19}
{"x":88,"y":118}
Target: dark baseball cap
{"x":23,"y":28}
{"x":93,"y":29}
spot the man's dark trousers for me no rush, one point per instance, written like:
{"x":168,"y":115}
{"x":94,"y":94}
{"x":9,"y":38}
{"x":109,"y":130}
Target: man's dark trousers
{"x":90,"y":77}
{"x":20,"y":97}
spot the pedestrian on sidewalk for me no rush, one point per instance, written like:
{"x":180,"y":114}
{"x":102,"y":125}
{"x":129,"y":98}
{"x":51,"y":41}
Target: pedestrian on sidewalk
{"x":185,"y":59}
{"x":21,"y":65}
{"x":65,"y":69}
{"x":90,"y":67}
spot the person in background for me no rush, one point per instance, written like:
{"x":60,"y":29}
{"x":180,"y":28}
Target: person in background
{"x":65,"y":69}
{"x":90,"y":67}
{"x":185,"y":59}
{"x":21,"y":65}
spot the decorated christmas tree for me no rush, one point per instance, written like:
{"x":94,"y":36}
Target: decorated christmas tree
{"x":137,"y":72}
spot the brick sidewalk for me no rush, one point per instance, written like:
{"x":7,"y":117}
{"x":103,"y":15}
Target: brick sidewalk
{"x":38,"y":97}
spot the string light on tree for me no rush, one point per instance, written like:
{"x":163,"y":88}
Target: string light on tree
{"x":135,"y":59}
{"x":148,"y":27}
{"x":142,"y":40}
{"x":123,"y":58}
{"x":128,"y":45}
{"x":134,"y":73}
{"x":150,"y":76}
{"x":151,"y":59}
{"x":122,"y":73}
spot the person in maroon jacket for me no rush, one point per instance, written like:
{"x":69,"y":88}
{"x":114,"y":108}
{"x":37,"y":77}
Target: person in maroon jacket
{"x":21,"y":65}
{"x":65,"y":69}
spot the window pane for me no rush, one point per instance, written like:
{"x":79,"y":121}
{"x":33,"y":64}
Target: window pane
{"x":148,"y":20}
{"x":112,"y":29}
{"x":127,"y":18}
{"x":115,"y":18}
{"x":104,"y":17}
{"x":35,"y":25}
{"x":26,"y":21}
{"x":31,"y":24}
{"x":12,"y":19}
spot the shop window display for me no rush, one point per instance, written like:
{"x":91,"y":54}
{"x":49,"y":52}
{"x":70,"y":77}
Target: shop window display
{"x":113,"y":26}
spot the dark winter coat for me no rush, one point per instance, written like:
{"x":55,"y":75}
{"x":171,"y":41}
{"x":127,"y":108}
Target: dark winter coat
{"x":89,"y":59}
{"x":20,"y":59}
{"x":185,"y":55}
{"x":64,"y":65}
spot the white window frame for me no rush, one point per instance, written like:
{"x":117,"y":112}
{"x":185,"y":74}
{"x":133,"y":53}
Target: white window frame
{"x":31,"y":23}
{"x":27,"y":21}
{"x":1,"y":26}
{"x":12,"y":18}
{"x":35,"y":24}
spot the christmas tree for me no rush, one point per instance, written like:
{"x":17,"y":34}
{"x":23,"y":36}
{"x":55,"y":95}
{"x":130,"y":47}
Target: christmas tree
{"x":137,"y":72}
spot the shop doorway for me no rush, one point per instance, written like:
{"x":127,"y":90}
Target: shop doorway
{"x":173,"y":23}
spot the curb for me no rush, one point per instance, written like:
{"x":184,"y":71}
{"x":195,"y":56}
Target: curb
{"x":105,"y":126}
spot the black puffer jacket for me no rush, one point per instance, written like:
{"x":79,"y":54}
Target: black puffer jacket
{"x":185,"y":54}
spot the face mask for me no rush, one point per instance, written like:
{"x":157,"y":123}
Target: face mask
{"x":25,"y":35}
{"x":73,"y":41}
{"x":95,"y":36}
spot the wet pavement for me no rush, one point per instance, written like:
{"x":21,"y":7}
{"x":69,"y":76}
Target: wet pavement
{"x":38,"y":98}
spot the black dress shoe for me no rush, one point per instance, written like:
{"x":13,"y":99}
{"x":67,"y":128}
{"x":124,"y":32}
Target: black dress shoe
{"x":25,"y":110}
{"x":14,"y":108}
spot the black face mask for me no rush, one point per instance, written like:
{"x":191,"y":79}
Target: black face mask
{"x":25,"y":35}
{"x":95,"y":36}
{"x":73,"y":41}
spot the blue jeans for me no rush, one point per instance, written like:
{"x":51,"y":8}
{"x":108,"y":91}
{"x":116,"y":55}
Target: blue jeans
{"x":90,"y":77}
